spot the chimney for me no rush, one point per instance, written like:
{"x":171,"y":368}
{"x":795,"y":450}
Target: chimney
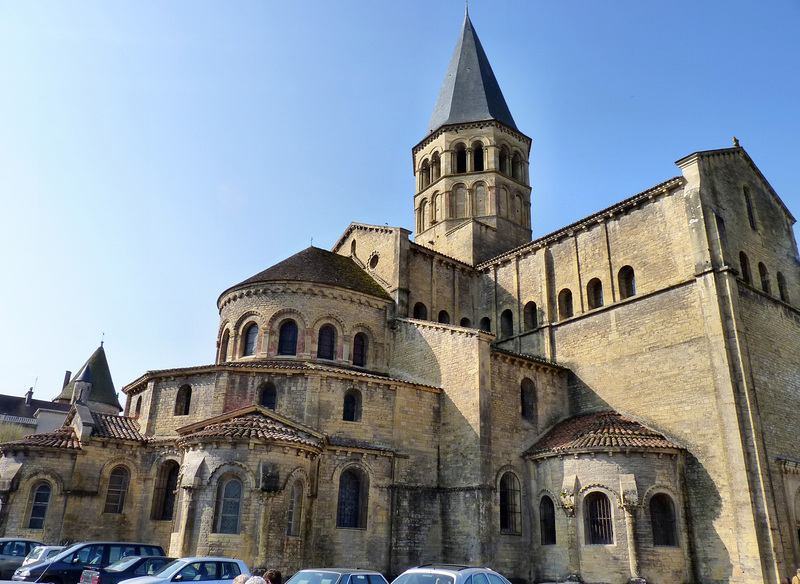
{"x":28,"y":397}
{"x":67,"y":375}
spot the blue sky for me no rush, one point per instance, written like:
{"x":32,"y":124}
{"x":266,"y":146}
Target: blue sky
{"x":153,"y":154}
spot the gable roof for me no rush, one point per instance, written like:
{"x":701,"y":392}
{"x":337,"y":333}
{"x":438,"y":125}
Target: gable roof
{"x":120,"y":427}
{"x":470,"y":92}
{"x":64,"y":438}
{"x":14,"y":406}
{"x":102,"y":385}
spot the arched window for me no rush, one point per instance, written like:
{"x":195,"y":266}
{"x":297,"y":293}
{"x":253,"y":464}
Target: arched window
{"x":744,"y":263}
{"x":223,"y":346}
{"x":762,"y":271}
{"x":40,"y":495}
{"x":662,"y":517}
{"x":502,"y":202}
{"x":360,"y":350}
{"x":565,"y":304}
{"x":424,"y":215}
{"x":353,"y":248}
{"x":295,"y":510}
{"x":438,"y":207}
{"x":183,"y":401}
{"x":420,"y":311}
{"x":784,"y":294}
{"x":486,"y":324}
{"x":598,"y":522}
{"x":352,"y":505}
{"x":326,"y":346}
{"x":425,"y":175}
{"x":506,"y":323}
{"x":516,"y":167}
{"x":504,"y":160}
{"x":118,"y":482}
{"x":268,"y":396}
{"x":165,"y":490}
{"x":477,"y":157}
{"x":510,"y":509}
{"x":138,"y":409}
{"x":547,"y":521}
{"x":481,"y":200}
{"x":518,"y":208}
{"x":594,"y":293}
{"x":436,"y":167}
{"x":465,"y":322}
{"x":228,"y":507}
{"x":250,"y":338}
{"x":528,"y":400}
{"x":748,"y":203}
{"x":351,"y":412}
{"x":287,"y":338}
{"x":444,"y":317}
{"x":460,"y":196}
{"x":627,"y":282}
{"x":461,"y":159}
{"x":530,"y":316}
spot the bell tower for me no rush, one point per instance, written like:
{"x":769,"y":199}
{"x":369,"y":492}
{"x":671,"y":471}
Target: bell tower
{"x":472,"y":197}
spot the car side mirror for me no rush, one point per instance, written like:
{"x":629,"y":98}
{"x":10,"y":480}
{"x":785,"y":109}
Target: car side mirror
{"x":177,"y":578}
{"x":74,"y":560}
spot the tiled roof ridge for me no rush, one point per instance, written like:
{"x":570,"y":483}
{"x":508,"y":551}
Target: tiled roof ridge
{"x":118,"y":427}
{"x":252,"y":426}
{"x":529,"y":357}
{"x":62,"y":438}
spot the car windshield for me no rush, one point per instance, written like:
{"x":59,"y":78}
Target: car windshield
{"x":423,"y":578}
{"x":166,"y":568}
{"x":122,"y":565}
{"x":314,"y":577}
{"x":66,"y":551}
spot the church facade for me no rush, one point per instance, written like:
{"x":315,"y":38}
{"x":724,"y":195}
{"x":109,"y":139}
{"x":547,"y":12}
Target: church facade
{"x":613,"y":402}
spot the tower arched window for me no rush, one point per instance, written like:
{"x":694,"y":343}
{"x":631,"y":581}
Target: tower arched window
{"x":436,"y":166}
{"x":326,"y":346}
{"x":662,"y":518}
{"x":228,"y":505}
{"x":287,"y":338}
{"x":762,"y":271}
{"x":530,"y":316}
{"x":502,"y":202}
{"x":461,"y":159}
{"x":118,"y":482}
{"x":547,"y":521}
{"x":165,"y":490}
{"x":565,"y":304}
{"x":351,"y":508}
{"x":594,"y":293}
{"x":516,"y":167}
{"x":748,"y":203}
{"x":744,"y":264}
{"x":360,"y":350}
{"x":506,"y":323}
{"x":351,"y":412}
{"x":460,"y":196}
{"x":295,"y":514}
{"x":424,"y":215}
{"x":528,"y":400}
{"x":250,"y":339}
{"x":223,"y":346}
{"x":420,"y":311}
{"x":425,"y":175}
{"x":353,"y":248}
{"x":627,"y":282}
{"x":782,"y":290}
{"x":481,"y":200}
{"x":444,"y":317}
{"x":40,"y":501}
{"x":465,"y":322}
{"x":183,"y":401}
{"x":598,"y":521}
{"x":268,"y":396}
{"x":486,"y":324}
{"x":477,"y":156}
{"x":504,"y":160}
{"x":510,"y":508}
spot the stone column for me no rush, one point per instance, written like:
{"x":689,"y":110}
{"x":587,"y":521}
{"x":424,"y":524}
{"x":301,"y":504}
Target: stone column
{"x":186,"y":507}
{"x":573,"y":546}
{"x":630,"y":505}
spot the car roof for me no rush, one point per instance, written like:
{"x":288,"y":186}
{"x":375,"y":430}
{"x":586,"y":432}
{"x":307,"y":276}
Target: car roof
{"x":5,"y":539}
{"x":341,"y":570}
{"x":451,"y":568}
{"x":207,"y":559}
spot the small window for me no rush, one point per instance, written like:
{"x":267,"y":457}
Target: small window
{"x":268,"y":396}
{"x":250,"y":338}
{"x":295,"y":510}
{"x":461,"y":159}
{"x":444,"y":317}
{"x":420,"y":311}
{"x":565,"y":304}
{"x":784,"y":294}
{"x":425,"y":175}
{"x":477,"y":157}
{"x":353,"y":248}
{"x":594,"y":293}
{"x":662,"y":516}
{"x":762,"y":271}
{"x":528,"y":400}
{"x":504,"y":160}
{"x":326,"y":347}
{"x":516,"y":167}
{"x":228,"y":507}
{"x":360,"y":350}
{"x":751,"y":218}
{"x":547,"y":521}
{"x":465,"y":322}
{"x":530,"y":316}
{"x":183,"y":401}
{"x":223,"y":347}
{"x":352,"y":406}
{"x":165,"y":491}
{"x":745,"y":264}
{"x":486,"y":324}
{"x":287,"y":338}
{"x":118,"y":482}
{"x":506,"y":323}
{"x":41,"y":500}
{"x":627,"y":282}
{"x":352,"y":505}
{"x":599,"y":523}
{"x":510,"y":511}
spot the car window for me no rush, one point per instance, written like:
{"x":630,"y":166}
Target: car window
{"x":314,"y":577}
{"x":91,"y":555}
{"x":359,"y":579}
{"x":118,"y":552}
{"x":417,"y":578}
{"x":495,"y":579}
{"x":230,"y":570}
{"x":479,"y":579}
{"x":150,"y":550}
{"x":376,"y":579}
{"x":122,"y":565}
{"x":166,"y":568}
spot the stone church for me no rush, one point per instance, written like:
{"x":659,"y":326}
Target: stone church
{"x":616,"y":401}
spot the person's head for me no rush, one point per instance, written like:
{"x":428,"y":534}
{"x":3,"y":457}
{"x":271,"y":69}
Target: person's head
{"x":274,"y":577}
{"x":256,"y":580}
{"x":241,"y":579}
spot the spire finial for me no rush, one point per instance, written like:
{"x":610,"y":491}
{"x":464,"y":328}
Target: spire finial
{"x":102,"y":338}
{"x":735,"y":142}
{"x":467,"y":8}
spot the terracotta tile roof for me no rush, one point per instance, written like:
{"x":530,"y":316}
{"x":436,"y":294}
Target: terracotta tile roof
{"x":121,"y":427}
{"x":62,"y":438}
{"x":599,"y":431}
{"x":252,"y":426}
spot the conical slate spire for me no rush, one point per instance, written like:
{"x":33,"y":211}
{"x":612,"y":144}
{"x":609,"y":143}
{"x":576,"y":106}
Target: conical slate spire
{"x":100,"y":376}
{"x":470,"y":92}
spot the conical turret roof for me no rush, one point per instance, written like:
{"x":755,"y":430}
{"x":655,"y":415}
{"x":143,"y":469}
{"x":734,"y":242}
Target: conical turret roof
{"x":470,"y":92}
{"x":100,"y":376}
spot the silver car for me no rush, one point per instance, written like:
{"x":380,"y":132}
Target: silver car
{"x":41,"y":552}
{"x":210,"y":570}
{"x":449,"y":574}
{"x":337,"y":576}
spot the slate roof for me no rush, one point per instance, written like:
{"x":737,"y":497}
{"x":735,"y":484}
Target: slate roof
{"x":102,"y":385}
{"x":121,"y":427}
{"x":253,"y":426}
{"x":64,"y":438}
{"x":599,"y":431}
{"x":11,"y":405}
{"x":319,"y":266}
{"x":470,"y":92}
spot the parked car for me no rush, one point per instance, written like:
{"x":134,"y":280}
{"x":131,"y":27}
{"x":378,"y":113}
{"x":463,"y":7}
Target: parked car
{"x":124,"y":569}
{"x":41,"y":552}
{"x":210,"y":570}
{"x":67,"y":566}
{"x":337,"y":576}
{"x":12,"y":553}
{"x":449,"y":574}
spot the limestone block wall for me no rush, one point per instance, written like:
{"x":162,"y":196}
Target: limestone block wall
{"x":158,"y":415}
{"x":440,"y":283}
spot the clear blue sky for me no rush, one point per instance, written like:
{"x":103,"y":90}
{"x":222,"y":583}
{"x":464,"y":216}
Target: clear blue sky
{"x":154,"y":153}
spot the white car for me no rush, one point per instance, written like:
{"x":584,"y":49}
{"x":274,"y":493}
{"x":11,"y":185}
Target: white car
{"x":210,"y":570}
{"x":41,"y":552}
